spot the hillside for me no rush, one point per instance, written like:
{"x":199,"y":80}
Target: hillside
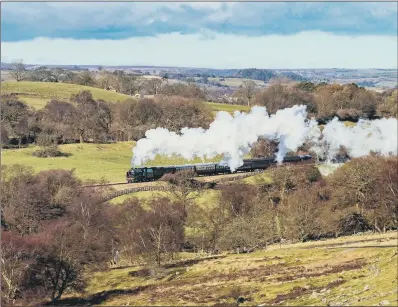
{"x":90,"y":161}
{"x":37,"y":94}
{"x":348,"y":271}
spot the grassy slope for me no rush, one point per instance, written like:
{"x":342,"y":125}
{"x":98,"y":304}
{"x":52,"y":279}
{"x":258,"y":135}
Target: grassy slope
{"x":37,"y":94}
{"x":368,"y":274}
{"x":91,"y":161}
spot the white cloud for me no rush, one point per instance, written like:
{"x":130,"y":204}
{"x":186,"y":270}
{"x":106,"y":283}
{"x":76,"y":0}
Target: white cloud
{"x":214,"y":50}
{"x":54,"y":18}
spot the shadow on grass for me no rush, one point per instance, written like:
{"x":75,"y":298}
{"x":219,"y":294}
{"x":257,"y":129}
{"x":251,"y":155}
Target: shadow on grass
{"x":144,"y":272}
{"x":97,"y":298}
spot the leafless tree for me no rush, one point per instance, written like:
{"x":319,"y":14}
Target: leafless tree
{"x":183,"y":187}
{"x":17,"y":255}
{"x":151,"y":233}
{"x":246,"y":91}
{"x":18,"y":70}
{"x":56,"y":73}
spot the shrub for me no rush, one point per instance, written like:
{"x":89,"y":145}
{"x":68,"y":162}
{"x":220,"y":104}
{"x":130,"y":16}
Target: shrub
{"x":45,"y":140}
{"x":49,"y":151}
{"x":353,"y":223}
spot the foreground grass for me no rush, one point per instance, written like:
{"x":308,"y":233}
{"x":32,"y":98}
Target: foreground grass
{"x":90,"y":161}
{"x":350,"y":271}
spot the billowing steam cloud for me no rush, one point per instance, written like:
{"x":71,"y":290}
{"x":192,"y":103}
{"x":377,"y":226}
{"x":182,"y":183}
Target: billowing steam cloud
{"x":233,"y":137}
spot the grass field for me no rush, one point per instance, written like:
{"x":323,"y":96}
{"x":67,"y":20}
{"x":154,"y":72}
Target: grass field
{"x":103,"y":161}
{"x":90,"y":161}
{"x":236,"y":82}
{"x":228,"y":107}
{"x":37,"y":94}
{"x":348,"y":271}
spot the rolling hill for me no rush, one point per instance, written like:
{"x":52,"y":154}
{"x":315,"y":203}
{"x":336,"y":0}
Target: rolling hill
{"x":347,"y":271}
{"x":37,"y":94}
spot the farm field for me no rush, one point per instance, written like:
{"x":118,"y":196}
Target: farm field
{"x":228,"y":107}
{"x":235,"y":82}
{"x":37,"y":94}
{"x":347,"y":271}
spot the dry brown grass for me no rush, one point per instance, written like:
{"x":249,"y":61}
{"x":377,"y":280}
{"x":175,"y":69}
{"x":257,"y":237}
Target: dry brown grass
{"x":338,"y":271}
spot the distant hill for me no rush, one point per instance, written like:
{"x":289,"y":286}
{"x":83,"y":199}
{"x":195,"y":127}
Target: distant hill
{"x":382,"y":78}
{"x":5,"y":65}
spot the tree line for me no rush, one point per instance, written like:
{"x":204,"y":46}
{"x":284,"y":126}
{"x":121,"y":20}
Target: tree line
{"x":53,"y":232}
{"x":118,"y":81}
{"x":84,"y":119}
{"x":323,"y":101}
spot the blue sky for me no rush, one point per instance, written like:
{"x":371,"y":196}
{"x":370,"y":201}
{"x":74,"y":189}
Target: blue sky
{"x":207,"y":34}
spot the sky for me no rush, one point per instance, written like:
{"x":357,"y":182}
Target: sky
{"x":272,"y":35}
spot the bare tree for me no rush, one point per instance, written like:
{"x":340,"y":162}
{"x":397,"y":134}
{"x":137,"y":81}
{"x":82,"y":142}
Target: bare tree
{"x":14,"y":116}
{"x":92,"y":118}
{"x":56,"y":73}
{"x":182,"y":187}
{"x":18,"y":71}
{"x":85,"y":78}
{"x":153,"y":86}
{"x":17,"y":253}
{"x":247,"y":90}
{"x":151,"y":233}
{"x":40,"y":74}
{"x":302,"y":215}
{"x":104,"y":80}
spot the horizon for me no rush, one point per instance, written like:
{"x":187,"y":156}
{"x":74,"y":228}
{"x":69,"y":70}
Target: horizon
{"x":194,"y":67}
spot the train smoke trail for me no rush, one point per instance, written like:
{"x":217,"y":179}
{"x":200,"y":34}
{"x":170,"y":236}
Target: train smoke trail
{"x":378,"y":136}
{"x":234,"y":136}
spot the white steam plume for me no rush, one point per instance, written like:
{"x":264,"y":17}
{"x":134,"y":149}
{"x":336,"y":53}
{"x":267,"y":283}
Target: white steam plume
{"x":378,"y":135}
{"x":233,"y":137}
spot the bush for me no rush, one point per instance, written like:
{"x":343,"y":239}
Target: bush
{"x":353,"y":223}
{"x":45,"y":140}
{"x":49,"y":151}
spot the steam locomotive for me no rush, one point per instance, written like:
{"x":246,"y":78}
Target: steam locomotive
{"x":142,"y":174}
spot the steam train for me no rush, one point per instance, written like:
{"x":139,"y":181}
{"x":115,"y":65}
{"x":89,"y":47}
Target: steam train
{"x":142,"y":174}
